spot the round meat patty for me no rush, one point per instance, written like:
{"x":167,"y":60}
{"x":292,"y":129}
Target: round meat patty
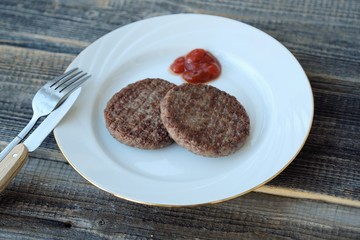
{"x":132,"y":115}
{"x":205,"y":120}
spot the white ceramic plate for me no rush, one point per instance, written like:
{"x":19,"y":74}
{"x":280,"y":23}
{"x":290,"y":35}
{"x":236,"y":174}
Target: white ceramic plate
{"x":260,"y":72}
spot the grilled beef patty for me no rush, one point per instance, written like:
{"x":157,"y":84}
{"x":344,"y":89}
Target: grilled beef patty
{"x":205,"y":120}
{"x":132,"y":115}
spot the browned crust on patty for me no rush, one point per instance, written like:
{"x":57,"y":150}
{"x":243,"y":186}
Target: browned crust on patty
{"x":205,"y":120}
{"x":132,"y":115}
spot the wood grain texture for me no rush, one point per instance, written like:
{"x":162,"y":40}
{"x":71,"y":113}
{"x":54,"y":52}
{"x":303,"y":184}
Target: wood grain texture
{"x":87,"y":212}
{"x":11,"y":165}
{"x":39,"y":39}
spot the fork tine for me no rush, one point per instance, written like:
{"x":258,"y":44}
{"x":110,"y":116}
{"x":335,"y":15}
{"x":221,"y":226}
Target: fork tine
{"x":64,"y":80}
{"x":57,"y":79}
{"x":74,"y":84}
{"x":69,"y":82}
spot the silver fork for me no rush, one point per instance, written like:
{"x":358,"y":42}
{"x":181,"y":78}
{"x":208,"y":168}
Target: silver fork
{"x":47,"y":99}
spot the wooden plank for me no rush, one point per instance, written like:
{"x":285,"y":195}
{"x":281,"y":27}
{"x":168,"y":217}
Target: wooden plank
{"x":60,"y":203}
{"x":329,"y":162}
{"x":23,"y":71}
{"x":41,"y":42}
{"x":38,"y":39}
{"x":322,"y":36}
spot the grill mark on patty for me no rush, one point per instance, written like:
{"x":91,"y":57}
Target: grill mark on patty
{"x":137,"y":123}
{"x":123,"y":105}
{"x":218,"y":120}
{"x":205,"y":120}
{"x":147,"y":117}
{"x":133,"y":114}
{"x":142,"y":103}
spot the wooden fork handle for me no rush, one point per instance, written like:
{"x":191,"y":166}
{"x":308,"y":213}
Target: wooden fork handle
{"x":12,"y":164}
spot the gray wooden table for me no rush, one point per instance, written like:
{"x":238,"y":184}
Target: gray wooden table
{"x":316,"y":197}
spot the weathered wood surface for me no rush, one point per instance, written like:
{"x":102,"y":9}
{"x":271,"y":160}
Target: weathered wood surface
{"x":48,"y":199}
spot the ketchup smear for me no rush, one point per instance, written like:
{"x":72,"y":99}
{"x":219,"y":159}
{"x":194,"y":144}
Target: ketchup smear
{"x":198,"y":66}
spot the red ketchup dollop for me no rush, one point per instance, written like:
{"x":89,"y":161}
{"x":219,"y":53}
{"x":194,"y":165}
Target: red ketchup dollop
{"x":198,"y":66}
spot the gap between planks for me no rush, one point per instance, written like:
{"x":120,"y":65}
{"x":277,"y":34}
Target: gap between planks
{"x":295,"y":193}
